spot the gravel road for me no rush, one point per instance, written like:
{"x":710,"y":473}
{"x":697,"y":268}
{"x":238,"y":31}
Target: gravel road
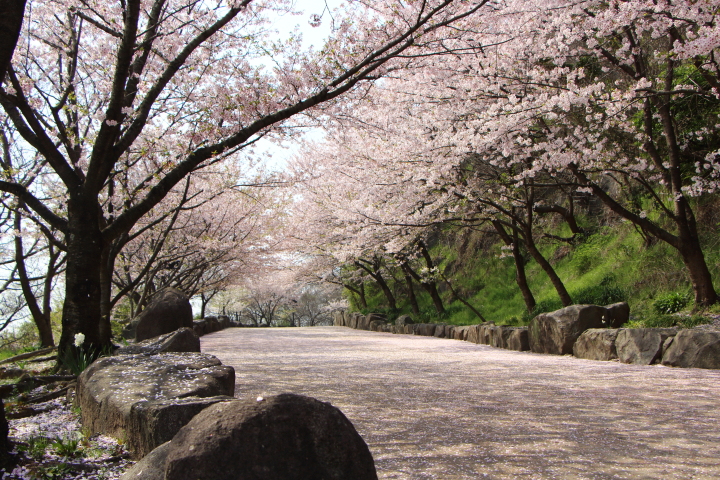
{"x":432,"y":408}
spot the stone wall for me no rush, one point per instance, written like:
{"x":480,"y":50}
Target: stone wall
{"x":585,"y":331}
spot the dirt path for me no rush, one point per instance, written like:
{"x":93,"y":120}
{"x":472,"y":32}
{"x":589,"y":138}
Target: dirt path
{"x":444,"y":409}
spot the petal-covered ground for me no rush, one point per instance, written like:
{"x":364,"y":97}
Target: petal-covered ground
{"x":53,"y":445}
{"x":444,"y":409}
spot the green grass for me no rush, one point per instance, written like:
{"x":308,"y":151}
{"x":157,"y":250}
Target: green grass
{"x":610,"y":264}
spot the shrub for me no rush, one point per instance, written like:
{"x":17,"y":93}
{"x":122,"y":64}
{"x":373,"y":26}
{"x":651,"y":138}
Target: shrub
{"x":67,"y":447}
{"x":35,"y":446}
{"x":670,"y":303}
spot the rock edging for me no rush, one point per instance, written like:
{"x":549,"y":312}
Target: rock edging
{"x":586,"y":331}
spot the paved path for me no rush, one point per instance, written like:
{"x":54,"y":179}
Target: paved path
{"x":449,"y":410}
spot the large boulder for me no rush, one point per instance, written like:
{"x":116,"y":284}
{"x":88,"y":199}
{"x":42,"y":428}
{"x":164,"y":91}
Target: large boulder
{"x":485,"y":333}
{"x":153,"y":423}
{"x":284,"y":437}
{"x":694,"y":348}
{"x":377,"y":324}
{"x":642,"y":346}
{"x":181,"y":340}
{"x":518,"y":339}
{"x":108,"y":389}
{"x":557,"y":331}
{"x":424,"y":329}
{"x":403,"y":320}
{"x":199,"y":327}
{"x":500,"y":335}
{"x":168,"y":310}
{"x":355,"y":320}
{"x":212,"y":324}
{"x":473,"y":334}
{"x":365,"y":322}
{"x":597,"y":344}
{"x":151,"y":467}
{"x":224,"y":321}
{"x":617,"y":314}
{"x":441,"y":331}
{"x":460,"y":333}
{"x":338,"y":318}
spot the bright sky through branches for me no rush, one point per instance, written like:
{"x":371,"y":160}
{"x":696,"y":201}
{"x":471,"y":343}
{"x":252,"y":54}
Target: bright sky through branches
{"x":312,"y":36}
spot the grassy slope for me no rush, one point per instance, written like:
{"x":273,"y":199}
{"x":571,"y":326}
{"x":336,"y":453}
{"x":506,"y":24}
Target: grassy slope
{"x":609,"y":265}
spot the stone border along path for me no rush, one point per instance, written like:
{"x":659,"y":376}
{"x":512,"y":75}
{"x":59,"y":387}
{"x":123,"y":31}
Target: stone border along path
{"x":433,"y":408}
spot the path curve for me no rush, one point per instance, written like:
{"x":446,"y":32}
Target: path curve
{"x":432,"y":408}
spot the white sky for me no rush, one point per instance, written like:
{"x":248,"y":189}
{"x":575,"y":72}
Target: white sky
{"x":312,"y":37}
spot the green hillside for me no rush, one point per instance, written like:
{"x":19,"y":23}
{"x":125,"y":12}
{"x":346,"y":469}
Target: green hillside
{"x":610,"y":262}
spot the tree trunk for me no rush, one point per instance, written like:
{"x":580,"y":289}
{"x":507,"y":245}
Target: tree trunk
{"x":520,"y":276}
{"x":203,"y":304}
{"x":686,"y":243}
{"x":431,"y":286}
{"x":700,"y":276}
{"x":11,"y":22}
{"x":42,"y":321}
{"x":550,"y":271}
{"x":386,"y":290}
{"x":377,"y":276}
{"x":411,"y":290}
{"x":360,"y":292}
{"x":82,"y":307}
{"x":535,"y":253}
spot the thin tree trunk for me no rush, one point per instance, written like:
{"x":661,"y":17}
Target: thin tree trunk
{"x":431,"y":286}
{"x":42,"y":322}
{"x":377,"y":276}
{"x":463,"y":301}
{"x":520,"y":276}
{"x":203,"y":304}
{"x":535,"y":253}
{"x":410,"y":289}
{"x":360,"y":292}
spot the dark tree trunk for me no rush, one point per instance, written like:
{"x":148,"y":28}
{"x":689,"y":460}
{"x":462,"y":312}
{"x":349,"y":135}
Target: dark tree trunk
{"x":431,"y":286}
{"x":386,"y":290}
{"x":567,"y":213}
{"x":535,"y":253}
{"x":550,"y":271}
{"x":375,"y":273}
{"x":11,"y":19}
{"x":359,"y":292}
{"x":42,"y":321}
{"x":700,"y":275}
{"x":687,"y":243}
{"x":203,"y":303}
{"x":82,"y":310}
{"x":361,"y":295}
{"x":520,"y":276}
{"x":410,"y":289}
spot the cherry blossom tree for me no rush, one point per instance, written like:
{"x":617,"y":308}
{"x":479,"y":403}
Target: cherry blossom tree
{"x":586,"y":94}
{"x":123,"y":100}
